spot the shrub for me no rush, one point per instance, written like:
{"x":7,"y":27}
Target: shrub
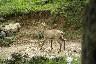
{"x":58,"y":60}
{"x":6,"y":41}
{"x":38,"y":60}
{"x":17,"y":58}
{"x":72,"y":10}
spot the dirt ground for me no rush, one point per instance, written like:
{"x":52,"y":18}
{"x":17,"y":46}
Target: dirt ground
{"x":32,"y":49}
{"x":25,"y":43}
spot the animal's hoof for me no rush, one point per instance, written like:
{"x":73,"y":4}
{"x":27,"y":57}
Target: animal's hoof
{"x":51,"y":48}
{"x":74,"y":51}
{"x":59,"y":52}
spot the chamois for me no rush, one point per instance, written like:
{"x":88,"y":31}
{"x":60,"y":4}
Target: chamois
{"x":54,"y":34}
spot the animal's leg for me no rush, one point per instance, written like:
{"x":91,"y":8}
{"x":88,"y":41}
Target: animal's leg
{"x":63,"y":40}
{"x":64,"y":44}
{"x":41,"y":44}
{"x":60,"y":43}
{"x":60,"y":46}
{"x":51,"y":44}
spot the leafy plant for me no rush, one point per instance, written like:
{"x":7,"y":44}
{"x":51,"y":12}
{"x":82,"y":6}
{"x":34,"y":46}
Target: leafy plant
{"x":38,"y":60}
{"x":6,"y":41}
{"x":17,"y":58}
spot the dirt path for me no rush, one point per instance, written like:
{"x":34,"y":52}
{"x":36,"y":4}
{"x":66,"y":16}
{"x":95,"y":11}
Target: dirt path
{"x":32,"y":49}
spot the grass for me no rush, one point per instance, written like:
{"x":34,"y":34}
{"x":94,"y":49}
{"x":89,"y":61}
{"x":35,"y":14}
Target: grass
{"x":8,"y":7}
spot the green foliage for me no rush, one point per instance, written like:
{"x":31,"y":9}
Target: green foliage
{"x":76,"y":60}
{"x":70,"y":8}
{"x":15,"y":7}
{"x":38,"y":60}
{"x":2,"y":61}
{"x":6,"y":41}
{"x":73,"y":11}
{"x":58,"y":60}
{"x":17,"y":58}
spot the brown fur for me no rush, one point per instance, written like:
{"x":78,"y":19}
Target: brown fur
{"x":54,"y":34}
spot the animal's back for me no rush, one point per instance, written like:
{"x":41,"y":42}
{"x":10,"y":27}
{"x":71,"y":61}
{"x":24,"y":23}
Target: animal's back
{"x":52,"y":34}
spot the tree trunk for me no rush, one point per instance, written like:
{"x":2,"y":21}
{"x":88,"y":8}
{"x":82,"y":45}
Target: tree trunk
{"x":89,"y":37}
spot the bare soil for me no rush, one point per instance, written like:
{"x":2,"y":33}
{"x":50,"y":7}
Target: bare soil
{"x":32,"y":49}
